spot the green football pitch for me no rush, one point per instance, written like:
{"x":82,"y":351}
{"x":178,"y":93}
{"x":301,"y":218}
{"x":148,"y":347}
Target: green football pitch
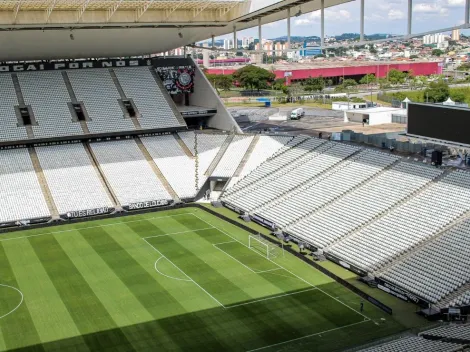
{"x":177,"y":280}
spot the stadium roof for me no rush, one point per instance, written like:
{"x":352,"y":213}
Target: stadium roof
{"x":42,"y":29}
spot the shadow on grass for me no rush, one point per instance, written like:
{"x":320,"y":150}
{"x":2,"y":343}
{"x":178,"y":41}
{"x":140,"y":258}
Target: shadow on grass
{"x":309,"y":319}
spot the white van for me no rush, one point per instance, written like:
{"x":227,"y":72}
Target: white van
{"x":297,"y":114}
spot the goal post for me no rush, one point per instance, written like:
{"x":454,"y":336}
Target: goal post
{"x":264,"y":247}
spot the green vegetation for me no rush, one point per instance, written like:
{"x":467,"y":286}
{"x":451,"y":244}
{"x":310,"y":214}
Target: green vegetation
{"x":316,"y":84}
{"x":254,"y":77}
{"x":368,"y":79}
{"x":437,"y":91}
{"x":179,"y":280}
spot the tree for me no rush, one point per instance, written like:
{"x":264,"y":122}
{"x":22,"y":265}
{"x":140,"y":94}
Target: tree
{"x":437,"y":52}
{"x":279,"y":84}
{"x":372,"y":49}
{"x":316,"y":84}
{"x":396,"y":77}
{"x":224,"y":81}
{"x":253,"y":77}
{"x":458,"y":96}
{"x":367,"y":79}
{"x":437,"y":92}
{"x":349,"y":83}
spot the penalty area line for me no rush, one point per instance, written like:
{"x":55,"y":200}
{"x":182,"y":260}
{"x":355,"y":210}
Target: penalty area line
{"x":288,"y":271}
{"x":168,"y":276}
{"x":190,"y":279}
{"x":178,"y":233}
{"x":270,"y":298}
{"x":311,"y":335}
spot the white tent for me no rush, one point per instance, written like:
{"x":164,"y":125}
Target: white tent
{"x":449,"y":102}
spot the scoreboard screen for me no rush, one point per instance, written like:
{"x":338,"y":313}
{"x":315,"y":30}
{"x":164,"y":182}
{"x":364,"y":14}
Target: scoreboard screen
{"x":444,"y":122}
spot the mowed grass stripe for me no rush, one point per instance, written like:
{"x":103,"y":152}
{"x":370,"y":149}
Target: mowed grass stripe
{"x":280,"y":318}
{"x":84,"y":306}
{"x":17,"y":329}
{"x":157,"y":300}
{"x":115,"y":296}
{"x":185,"y":292}
{"x":49,"y":313}
{"x":160,"y":226}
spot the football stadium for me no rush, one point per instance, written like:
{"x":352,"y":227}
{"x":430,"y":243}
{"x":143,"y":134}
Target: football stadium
{"x":135,"y":215}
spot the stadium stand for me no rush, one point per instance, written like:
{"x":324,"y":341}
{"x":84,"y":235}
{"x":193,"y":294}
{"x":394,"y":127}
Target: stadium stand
{"x":72,"y":179}
{"x":436,"y":269}
{"x":9,"y":130}
{"x":128,"y":172}
{"x":281,"y":163}
{"x":415,"y":343}
{"x":460,"y":300}
{"x":453,"y":331}
{"x":20,"y":190}
{"x":140,"y":86}
{"x":96,"y":89}
{"x":47,"y":94}
{"x":364,"y":204}
{"x":265,"y":147}
{"x":329,"y":185}
{"x":232,"y":156}
{"x":175,"y":165}
{"x":423,"y":216}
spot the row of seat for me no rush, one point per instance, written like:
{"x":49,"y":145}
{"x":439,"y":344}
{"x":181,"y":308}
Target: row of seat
{"x":438,"y":268}
{"x":408,"y":224}
{"x":47,"y":94}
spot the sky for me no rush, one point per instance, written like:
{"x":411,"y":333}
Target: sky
{"x":382,"y":16}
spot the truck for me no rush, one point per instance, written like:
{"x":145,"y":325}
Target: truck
{"x":296,"y":114}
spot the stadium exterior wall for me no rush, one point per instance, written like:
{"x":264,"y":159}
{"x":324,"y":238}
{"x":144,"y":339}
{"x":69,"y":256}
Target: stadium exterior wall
{"x":380,"y":70}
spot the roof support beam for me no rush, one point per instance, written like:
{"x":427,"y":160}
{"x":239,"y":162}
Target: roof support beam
{"x":362,"y":20}
{"x":50,"y":9}
{"x":200,"y":9}
{"x":16,"y":10}
{"x":170,"y":11}
{"x":140,"y":12}
{"x":410,"y":16}
{"x":288,"y":28}
{"x":113,"y":10}
{"x":467,"y":12}
{"x":322,"y":15}
{"x":82,"y":10}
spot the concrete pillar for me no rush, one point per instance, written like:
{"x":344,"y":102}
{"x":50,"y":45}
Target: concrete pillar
{"x":288,"y":28}
{"x":467,"y":12}
{"x":362,"y":20}
{"x":235,"y":37}
{"x":213,"y":41}
{"x":322,"y":42}
{"x":410,"y":15}
{"x":260,"y":41}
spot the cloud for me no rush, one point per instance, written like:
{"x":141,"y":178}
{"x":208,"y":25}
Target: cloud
{"x":395,"y":14}
{"x":330,"y":15}
{"x":455,"y":3}
{"x":430,"y":9}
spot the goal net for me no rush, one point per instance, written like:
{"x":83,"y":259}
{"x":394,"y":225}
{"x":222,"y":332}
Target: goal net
{"x":264,"y":247}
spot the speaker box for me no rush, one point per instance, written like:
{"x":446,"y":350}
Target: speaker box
{"x":216,"y":204}
{"x":436,"y":157}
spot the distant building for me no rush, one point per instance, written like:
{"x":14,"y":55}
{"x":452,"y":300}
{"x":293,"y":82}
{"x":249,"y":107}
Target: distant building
{"x":456,"y":35}
{"x":433,"y":38}
{"x":310,"y":50}
{"x":228,"y":44}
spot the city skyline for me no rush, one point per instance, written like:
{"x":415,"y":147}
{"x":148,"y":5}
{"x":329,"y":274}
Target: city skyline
{"x":382,"y":16}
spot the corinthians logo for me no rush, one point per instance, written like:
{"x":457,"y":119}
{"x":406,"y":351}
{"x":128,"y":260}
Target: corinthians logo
{"x":185,"y":79}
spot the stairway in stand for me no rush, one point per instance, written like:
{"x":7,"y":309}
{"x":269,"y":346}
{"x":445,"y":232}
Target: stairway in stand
{"x":107,"y":187}
{"x":157,"y":171}
{"x":43,"y":183}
